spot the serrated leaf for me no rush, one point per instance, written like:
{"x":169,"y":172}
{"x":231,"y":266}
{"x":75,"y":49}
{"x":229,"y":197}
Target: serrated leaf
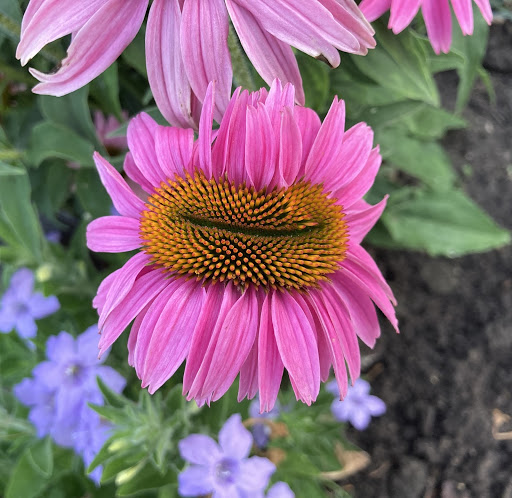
{"x":443,"y":224}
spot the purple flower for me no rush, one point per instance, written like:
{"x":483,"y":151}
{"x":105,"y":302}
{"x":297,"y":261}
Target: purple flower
{"x":60,"y":389}
{"x":261,"y":432}
{"x":21,"y":306}
{"x":280,"y":490}
{"x":223,"y":469}
{"x":358,"y":407}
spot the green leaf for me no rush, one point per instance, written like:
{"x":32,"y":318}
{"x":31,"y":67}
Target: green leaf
{"x":443,"y":224}
{"x":54,"y":140}
{"x":316,"y":83}
{"x":32,"y":472}
{"x":105,"y":90}
{"x":111,"y":397}
{"x":92,"y":193}
{"x":17,"y":211}
{"x":146,"y":477}
{"x":8,"y":170}
{"x":431,"y":122}
{"x":424,"y":160}
{"x":134,"y":54}
{"x":399,"y":63}
{"x":71,"y":111}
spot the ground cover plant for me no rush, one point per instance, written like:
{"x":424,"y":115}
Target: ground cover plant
{"x":187,"y":199}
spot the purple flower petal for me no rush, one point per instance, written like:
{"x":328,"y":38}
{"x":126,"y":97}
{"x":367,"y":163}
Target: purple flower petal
{"x":195,"y":481}
{"x":40,"y":306}
{"x":199,"y":449}
{"x":26,"y":326}
{"x":235,"y":440}
{"x":22,"y":282}
{"x":280,"y":490}
{"x":255,"y":473}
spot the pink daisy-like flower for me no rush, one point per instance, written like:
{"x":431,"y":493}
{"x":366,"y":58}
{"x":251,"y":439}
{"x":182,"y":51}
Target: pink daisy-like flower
{"x":437,"y":15}
{"x":187,"y":43}
{"x":249,"y":258}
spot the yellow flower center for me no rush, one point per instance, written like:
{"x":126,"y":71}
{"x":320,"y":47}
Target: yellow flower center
{"x":287,"y":238}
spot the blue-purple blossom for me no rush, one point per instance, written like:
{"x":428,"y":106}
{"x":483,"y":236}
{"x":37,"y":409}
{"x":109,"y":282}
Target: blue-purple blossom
{"x":60,"y":389}
{"x":280,"y":490}
{"x":223,"y":469}
{"x":358,"y":407}
{"x":21,"y":306}
{"x":261,"y":432}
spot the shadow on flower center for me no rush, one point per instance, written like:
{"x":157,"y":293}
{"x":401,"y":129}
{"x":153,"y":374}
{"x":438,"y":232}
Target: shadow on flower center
{"x":285,"y":238}
{"x":226,"y":471}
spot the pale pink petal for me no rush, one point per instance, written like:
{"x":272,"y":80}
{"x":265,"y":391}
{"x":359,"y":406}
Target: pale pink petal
{"x":357,"y":187}
{"x":123,"y":198}
{"x":166,"y":70}
{"x":348,"y":15}
{"x":402,"y":14}
{"x":360,"y":307}
{"x":171,"y":337}
{"x":95,"y":47}
{"x":464,"y":11}
{"x":174,"y":148}
{"x":143,"y":291}
{"x":320,"y":36}
{"x":99,"y":300}
{"x":323,"y":161}
{"x":141,"y":141}
{"x":373,"y":9}
{"x":361,"y":218}
{"x":297,"y":345}
{"x":122,"y":284}
{"x":260,"y":161}
{"x":438,"y":20}
{"x":279,"y":97}
{"x":271,"y":57}
{"x":46,"y":21}
{"x":270,"y":365}
{"x":204,"y":44}
{"x":134,"y":334}
{"x":113,"y":234}
{"x":134,"y":173}
{"x":233,"y":343}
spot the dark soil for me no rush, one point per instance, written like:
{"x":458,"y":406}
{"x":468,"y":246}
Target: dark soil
{"x":450,"y":368}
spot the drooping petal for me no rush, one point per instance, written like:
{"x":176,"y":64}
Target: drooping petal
{"x":464,"y":12}
{"x":95,"y":47}
{"x":402,"y":14}
{"x":113,"y":234}
{"x":172,"y":335}
{"x":249,"y":375}
{"x":270,"y":365}
{"x":296,"y":342}
{"x":361,"y":218}
{"x":231,"y":345}
{"x":122,"y":283}
{"x":135,"y":174}
{"x":438,"y":20}
{"x":123,"y":198}
{"x":144,"y":290}
{"x":166,"y":70}
{"x":204,"y":44}
{"x":270,"y":56}
{"x":485,"y":9}
{"x":373,"y":9}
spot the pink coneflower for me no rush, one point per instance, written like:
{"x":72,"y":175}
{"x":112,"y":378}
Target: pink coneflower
{"x":437,"y":15}
{"x":249,"y":258}
{"x":186,"y":43}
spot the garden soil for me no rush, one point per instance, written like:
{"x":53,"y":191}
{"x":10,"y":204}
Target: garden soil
{"x":447,"y":378}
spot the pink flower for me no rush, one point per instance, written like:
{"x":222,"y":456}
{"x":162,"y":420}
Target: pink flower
{"x":186,"y":43}
{"x":437,"y":15}
{"x":107,"y":125}
{"x":249,"y":258}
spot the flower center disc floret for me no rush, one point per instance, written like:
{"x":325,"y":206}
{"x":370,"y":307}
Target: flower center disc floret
{"x":285,"y":238}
